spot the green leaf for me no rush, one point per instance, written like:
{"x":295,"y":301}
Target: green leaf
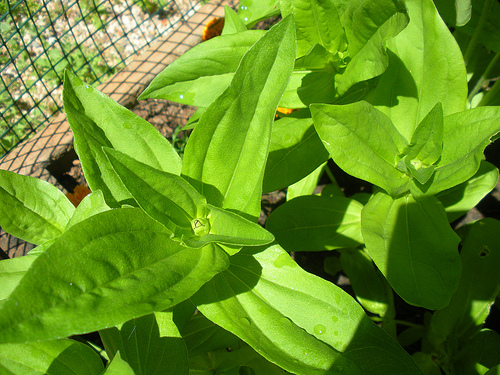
{"x":103,"y":271}
{"x":164,"y":196}
{"x":253,"y":11}
{"x":466,"y":135}
{"x":425,"y":67}
{"x":318,"y":58}
{"x":479,"y":355}
{"x":311,"y":223}
{"x":262,"y":298}
{"x":96,"y":121}
{"x":200,"y":75}
{"x":117,"y":366}
{"x":226,"y":153}
{"x":478,"y":288}
{"x":368,"y":25}
{"x":32,"y":209}
{"x":91,"y":205}
{"x":229,"y":228}
{"x":461,"y":198}
{"x":295,"y":151}
{"x":233,"y":24}
{"x":495,"y":370}
{"x":316,"y":22}
{"x":12,"y":271}
{"x":202,"y":336}
{"x":307,"y":87}
{"x":58,"y":357}
{"x":172,"y":201}
{"x":413,"y":245}
{"x":142,"y":343}
{"x":426,"y":363}
{"x":306,"y":186}
{"x":370,"y":287}
{"x":455,"y":13}
{"x":363,"y":142}
{"x":485,"y":27}
{"x":426,"y":145}
{"x":238,"y":361}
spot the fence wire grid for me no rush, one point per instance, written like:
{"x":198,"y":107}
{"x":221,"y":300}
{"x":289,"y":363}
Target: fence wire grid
{"x":39,"y":39}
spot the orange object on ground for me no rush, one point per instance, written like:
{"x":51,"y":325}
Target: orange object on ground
{"x":79,"y":193}
{"x":285,"y":111}
{"x":214,"y":28}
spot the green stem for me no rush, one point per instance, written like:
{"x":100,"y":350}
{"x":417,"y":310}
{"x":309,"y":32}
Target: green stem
{"x":400,"y":322}
{"x":479,"y":28}
{"x":330,"y":174}
{"x":484,"y":77}
{"x":490,"y":94}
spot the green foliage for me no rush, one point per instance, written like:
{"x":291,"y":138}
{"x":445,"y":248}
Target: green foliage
{"x":165,"y":258}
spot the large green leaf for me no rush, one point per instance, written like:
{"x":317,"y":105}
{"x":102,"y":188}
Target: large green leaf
{"x":413,"y":245}
{"x":226,"y":154}
{"x":150,"y":345}
{"x":425,"y":67}
{"x":478,"y":288}
{"x":363,"y":142}
{"x":263,"y":297}
{"x":311,"y":223}
{"x":316,"y":22}
{"x":32,"y":209}
{"x":466,"y":135}
{"x":103,"y":271}
{"x":200,"y":75}
{"x":368,"y":24}
{"x":96,"y":121}
{"x":59,"y":357}
{"x":294,"y":152}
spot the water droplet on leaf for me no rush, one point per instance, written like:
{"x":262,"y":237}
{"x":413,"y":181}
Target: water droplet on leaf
{"x":246,"y":321}
{"x":319,"y":329}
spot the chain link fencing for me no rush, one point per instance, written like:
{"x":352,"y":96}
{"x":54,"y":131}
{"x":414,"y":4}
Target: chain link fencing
{"x":39,"y":39}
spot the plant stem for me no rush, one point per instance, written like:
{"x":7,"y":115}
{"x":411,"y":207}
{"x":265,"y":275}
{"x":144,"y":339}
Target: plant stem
{"x":484,"y":77}
{"x":479,"y":28}
{"x":490,"y":93}
{"x":400,"y":322}
{"x":330,"y":174}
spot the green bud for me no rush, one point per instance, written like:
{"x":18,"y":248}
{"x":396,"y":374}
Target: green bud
{"x":200,"y":226}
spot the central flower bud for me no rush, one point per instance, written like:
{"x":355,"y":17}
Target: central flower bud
{"x":200,"y":226}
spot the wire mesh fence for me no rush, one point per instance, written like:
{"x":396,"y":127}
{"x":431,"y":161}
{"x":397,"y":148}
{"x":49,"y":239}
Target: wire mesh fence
{"x":93,"y":38}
